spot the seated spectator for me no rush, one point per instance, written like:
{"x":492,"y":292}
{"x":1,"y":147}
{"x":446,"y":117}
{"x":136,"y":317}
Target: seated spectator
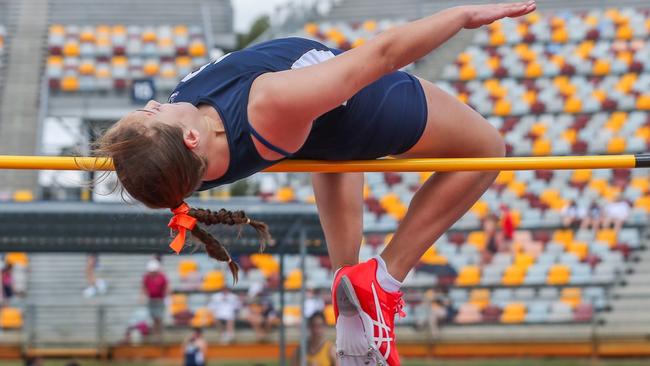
{"x":570,"y":215}
{"x":616,"y":213}
{"x":507,"y":228}
{"x":155,"y":289}
{"x":592,"y":217}
{"x":224,"y":305}
{"x":320,"y":350}
{"x":262,"y":315}
{"x":490,"y":225}
{"x":313,"y":302}
{"x":7,"y":284}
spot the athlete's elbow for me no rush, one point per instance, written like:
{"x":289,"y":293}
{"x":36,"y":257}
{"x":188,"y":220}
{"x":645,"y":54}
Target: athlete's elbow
{"x":388,"y":53}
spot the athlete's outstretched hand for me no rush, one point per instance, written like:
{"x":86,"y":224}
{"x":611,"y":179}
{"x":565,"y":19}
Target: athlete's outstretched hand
{"x":478,"y":15}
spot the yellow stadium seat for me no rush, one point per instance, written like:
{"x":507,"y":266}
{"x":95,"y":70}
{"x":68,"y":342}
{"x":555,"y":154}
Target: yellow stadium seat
{"x":87,"y":36}
{"x":358,"y":42}
{"x":480,"y":208}
{"x":579,"y":248}
{"x":464,"y":57}
{"x":477,"y":239}
{"x":213,"y":281}
{"x":370,"y":25}
{"x":538,"y":129}
{"x":467,"y":72}
{"x":71,"y":49}
{"x":183,"y":61}
{"x":599,"y":94}
{"x":517,"y":187}
{"x":549,"y":195}
{"x":502,"y":107}
{"x":643,"y":202}
{"x":293,"y":280}
{"x":202,"y":318}
{"x":584,"y":49}
{"x":601,"y":67}
{"x":265,"y":263}
{"x":513,"y":276}
{"x":103,"y":73}
{"x":23,"y":195}
{"x":149,"y":36}
{"x":643,"y":102}
{"x":55,"y":61}
{"x":11,"y":318}
{"x":570,"y":135}
{"x":17,"y":259}
{"x":560,"y":35}
{"x":616,"y":121}
{"x":311,"y":28}
{"x":608,"y":236}
{"x":514,"y":313}
{"x":180,"y":30}
{"x":542,"y":147}
{"x":558,"y":275}
{"x":616,"y":145}
{"x":534,"y":70}
{"x":565,"y":237}
{"x":291,"y":315}
{"x":530,"y":97}
{"x":571,"y":296}
{"x":625,"y":56}
{"x":431,"y":257}
{"x":505,"y":177}
{"x":643,"y":132}
{"x":581,"y":175}
{"x":177,"y":304}
{"x":103,"y":29}
{"x":119,"y":61}
{"x":640,"y":183}
{"x":493,"y":63}
{"x":497,"y":39}
{"x":197,"y":49}
{"x":573,"y":105}
{"x":57,"y":29}
{"x":624,"y":33}
{"x":480,"y":298}
{"x":469,"y":276}
{"x":285,"y":194}
{"x":86,"y":68}
{"x":70,"y":83}
{"x":558,"y":60}
{"x":118,"y":29}
{"x":523,"y":260}
{"x":168,"y":72}
{"x":151,"y":68}
{"x":186,"y":267}
{"x":330,"y":318}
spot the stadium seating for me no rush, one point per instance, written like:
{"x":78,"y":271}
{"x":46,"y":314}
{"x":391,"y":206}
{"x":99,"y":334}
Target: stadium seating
{"x":104,"y":58}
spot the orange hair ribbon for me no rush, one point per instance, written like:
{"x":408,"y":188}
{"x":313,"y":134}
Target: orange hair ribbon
{"x":181,"y":222}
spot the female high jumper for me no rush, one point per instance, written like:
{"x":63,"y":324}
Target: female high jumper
{"x":295,"y":98}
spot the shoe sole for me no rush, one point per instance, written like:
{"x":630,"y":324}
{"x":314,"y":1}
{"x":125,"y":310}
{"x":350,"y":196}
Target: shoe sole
{"x":349,"y":305}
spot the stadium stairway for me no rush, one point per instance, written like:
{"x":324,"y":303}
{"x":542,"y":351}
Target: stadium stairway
{"x":19,"y":118}
{"x":629,"y":314}
{"x":58,"y":314}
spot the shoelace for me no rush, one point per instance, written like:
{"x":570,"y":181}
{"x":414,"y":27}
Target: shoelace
{"x":399,"y":306}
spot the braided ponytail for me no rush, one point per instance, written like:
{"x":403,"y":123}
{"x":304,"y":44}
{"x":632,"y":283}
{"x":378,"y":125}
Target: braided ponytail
{"x":213,"y":247}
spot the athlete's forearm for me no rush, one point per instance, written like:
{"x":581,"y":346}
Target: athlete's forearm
{"x":407,"y":43}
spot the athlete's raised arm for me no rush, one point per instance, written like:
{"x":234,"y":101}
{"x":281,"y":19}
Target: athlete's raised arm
{"x":294,"y":98}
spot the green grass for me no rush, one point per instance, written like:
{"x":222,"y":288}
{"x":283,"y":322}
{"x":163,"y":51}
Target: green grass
{"x":436,"y":362}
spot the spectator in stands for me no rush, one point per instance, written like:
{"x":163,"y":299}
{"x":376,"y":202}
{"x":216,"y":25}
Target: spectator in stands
{"x":616,"y":213}
{"x":507,"y":227}
{"x":320,"y":350}
{"x":490,"y":225}
{"x":155,"y":289}
{"x":570,"y":214}
{"x":314,"y":302}
{"x":33,"y":361}
{"x":296,"y":98}
{"x":195,"y":349}
{"x":592,"y":217}
{"x":225,"y":305}
{"x":268,"y":187}
{"x":95,"y":285}
{"x":7,"y":283}
{"x":262,"y":315}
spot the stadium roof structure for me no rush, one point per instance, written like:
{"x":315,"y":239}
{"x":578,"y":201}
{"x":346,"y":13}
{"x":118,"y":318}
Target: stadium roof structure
{"x":120,"y":228}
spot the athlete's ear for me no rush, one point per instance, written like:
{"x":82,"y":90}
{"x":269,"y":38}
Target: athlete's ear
{"x":191,"y":138}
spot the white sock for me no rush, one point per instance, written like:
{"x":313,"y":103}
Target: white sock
{"x":385,"y":279}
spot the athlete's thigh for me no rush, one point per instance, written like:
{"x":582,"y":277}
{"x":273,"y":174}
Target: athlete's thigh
{"x":454,"y":129}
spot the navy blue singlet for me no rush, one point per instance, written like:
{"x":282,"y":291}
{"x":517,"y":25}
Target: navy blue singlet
{"x":385,"y":118}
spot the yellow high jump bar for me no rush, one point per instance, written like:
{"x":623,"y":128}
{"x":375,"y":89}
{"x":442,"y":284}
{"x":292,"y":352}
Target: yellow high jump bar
{"x":379,"y":165}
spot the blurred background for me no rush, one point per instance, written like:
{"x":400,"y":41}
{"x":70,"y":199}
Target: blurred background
{"x":548,"y":267}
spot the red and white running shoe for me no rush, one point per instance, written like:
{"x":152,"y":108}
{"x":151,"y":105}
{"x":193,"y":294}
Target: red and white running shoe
{"x":359,"y":298}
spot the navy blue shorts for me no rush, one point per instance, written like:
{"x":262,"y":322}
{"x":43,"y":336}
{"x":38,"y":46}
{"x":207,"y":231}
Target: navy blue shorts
{"x":385,"y":118}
